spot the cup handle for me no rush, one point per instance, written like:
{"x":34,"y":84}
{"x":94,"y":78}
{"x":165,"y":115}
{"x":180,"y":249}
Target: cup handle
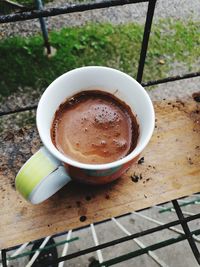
{"x":41,"y":177}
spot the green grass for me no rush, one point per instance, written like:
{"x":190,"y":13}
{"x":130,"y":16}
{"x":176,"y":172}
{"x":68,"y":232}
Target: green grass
{"x":23,"y":63}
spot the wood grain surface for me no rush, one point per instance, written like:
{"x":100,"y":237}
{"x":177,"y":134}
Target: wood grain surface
{"x":171,"y":169}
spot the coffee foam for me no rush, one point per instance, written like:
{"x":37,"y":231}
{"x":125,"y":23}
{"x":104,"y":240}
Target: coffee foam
{"x":94,"y":127}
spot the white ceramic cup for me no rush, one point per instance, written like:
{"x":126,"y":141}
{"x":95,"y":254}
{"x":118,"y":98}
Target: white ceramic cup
{"x":48,"y":170}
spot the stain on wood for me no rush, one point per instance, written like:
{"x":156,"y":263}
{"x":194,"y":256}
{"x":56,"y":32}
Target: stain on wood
{"x":171,"y":170}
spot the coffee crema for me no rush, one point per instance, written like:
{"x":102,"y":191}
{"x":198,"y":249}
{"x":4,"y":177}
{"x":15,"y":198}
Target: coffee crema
{"x":94,"y":127}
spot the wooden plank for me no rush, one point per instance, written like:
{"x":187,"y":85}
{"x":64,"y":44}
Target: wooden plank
{"x":171,"y":169}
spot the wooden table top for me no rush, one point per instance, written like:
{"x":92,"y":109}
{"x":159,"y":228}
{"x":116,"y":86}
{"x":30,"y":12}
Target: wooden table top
{"x":171,"y":169}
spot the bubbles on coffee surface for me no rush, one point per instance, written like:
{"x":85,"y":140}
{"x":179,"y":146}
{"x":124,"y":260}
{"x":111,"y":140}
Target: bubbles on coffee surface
{"x":95,"y":127}
{"x":105,"y":116}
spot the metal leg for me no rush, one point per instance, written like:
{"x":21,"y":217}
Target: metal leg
{"x":187,"y":231}
{"x":39,"y":6}
{"x":145,"y":41}
{"x":3,"y":255}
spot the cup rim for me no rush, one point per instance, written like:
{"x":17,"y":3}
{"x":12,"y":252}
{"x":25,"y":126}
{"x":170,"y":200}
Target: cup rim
{"x":129,"y":157}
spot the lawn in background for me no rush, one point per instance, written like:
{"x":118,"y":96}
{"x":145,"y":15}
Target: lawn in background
{"x":23,"y":62}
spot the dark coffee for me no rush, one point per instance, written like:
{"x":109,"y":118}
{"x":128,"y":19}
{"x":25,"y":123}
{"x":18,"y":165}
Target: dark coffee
{"x":94,"y":127}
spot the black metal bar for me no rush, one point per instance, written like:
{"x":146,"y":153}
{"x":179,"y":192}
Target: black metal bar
{"x":69,"y":8}
{"x":187,"y":231}
{"x":3,"y":113}
{"x":3,"y":256}
{"x":145,"y":41}
{"x":126,"y":238}
{"x":172,"y":79}
{"x":39,"y":6}
{"x":134,"y":253}
{"x":145,"y":84}
{"x":142,"y":251}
